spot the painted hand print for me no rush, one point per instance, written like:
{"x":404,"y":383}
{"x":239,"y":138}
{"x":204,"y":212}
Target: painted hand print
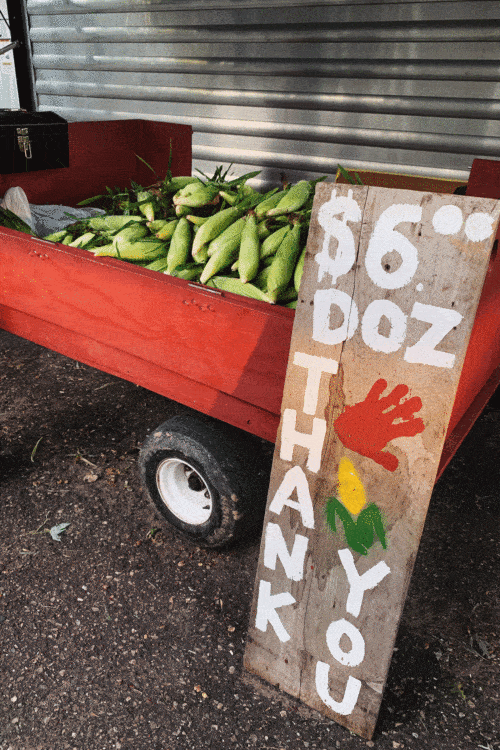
{"x":367,"y":427}
{"x":359,"y":533}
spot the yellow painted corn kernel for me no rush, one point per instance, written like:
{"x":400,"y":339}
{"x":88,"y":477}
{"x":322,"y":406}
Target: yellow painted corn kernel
{"x":351,"y":490}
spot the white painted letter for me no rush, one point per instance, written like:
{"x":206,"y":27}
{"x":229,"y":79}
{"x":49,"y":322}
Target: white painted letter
{"x":443,"y":320}
{"x":333,"y":635}
{"x":294,"y":479}
{"x":324,"y":299}
{"x":345,"y":254}
{"x":360,"y":584}
{"x":385,"y":239}
{"x":267,"y":604}
{"x":346,"y":705}
{"x":275,"y":546}
{"x":375,"y":311}
{"x":315,"y":366}
{"x":313,"y":441}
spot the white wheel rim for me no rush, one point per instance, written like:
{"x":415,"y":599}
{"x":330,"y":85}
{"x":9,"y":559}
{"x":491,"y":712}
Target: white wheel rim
{"x":184,"y":491}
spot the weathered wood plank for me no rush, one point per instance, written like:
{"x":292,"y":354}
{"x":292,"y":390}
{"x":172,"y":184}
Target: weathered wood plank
{"x":387,"y":304}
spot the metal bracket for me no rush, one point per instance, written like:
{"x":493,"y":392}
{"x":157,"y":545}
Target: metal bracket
{"x":23,"y":140}
{"x":12,"y":45}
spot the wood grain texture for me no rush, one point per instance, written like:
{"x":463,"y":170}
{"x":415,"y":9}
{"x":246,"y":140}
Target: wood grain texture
{"x":398,"y":472}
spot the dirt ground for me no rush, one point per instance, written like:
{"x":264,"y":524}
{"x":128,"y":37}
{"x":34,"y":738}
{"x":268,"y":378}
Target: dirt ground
{"x":123,"y":635}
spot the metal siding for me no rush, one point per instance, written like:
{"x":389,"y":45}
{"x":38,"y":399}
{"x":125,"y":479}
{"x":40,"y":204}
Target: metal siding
{"x":284,"y":86}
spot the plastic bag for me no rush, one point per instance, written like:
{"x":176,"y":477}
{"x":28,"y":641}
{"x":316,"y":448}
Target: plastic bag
{"x":44,"y":219}
{"x":48,"y":219}
{"x":15,"y":200}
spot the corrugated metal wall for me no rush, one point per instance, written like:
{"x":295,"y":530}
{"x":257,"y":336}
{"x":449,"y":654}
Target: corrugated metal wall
{"x":284,"y":86}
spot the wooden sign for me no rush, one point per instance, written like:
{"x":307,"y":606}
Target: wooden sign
{"x":388,"y":298}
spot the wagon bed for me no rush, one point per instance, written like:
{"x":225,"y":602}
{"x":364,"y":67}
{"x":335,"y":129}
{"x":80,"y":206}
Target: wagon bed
{"x":221,"y":354}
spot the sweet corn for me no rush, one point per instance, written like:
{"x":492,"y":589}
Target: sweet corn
{"x":272,"y":243}
{"x":180,"y":245}
{"x":129,"y":234}
{"x":295,"y":198}
{"x":83,"y":240}
{"x":146,"y":205}
{"x":225,"y":250}
{"x":148,"y":249}
{"x":299,"y":269}
{"x":56,"y":236}
{"x":178,"y":183}
{"x":167,"y":231}
{"x":249,"y":253}
{"x":230,"y":284}
{"x":214,"y":226}
{"x":267,"y":204}
{"x":197,"y":198}
{"x":283,"y":265}
{"x":231,"y":236}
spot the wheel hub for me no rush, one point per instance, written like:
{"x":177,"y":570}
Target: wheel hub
{"x":184,"y":491}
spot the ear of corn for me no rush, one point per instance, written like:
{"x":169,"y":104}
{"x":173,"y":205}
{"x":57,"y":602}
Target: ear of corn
{"x":189,"y":272}
{"x":202,"y":255}
{"x":261,"y":279}
{"x":83,"y":240}
{"x":178,"y":183}
{"x":199,"y":197}
{"x":225,"y":251}
{"x":156,"y":225}
{"x":129,"y":234}
{"x":230,"y":237}
{"x":230,"y":198}
{"x":271,"y":244}
{"x":263,"y":229}
{"x":293,"y":200}
{"x":288,"y":295}
{"x":180,"y":245}
{"x":283,"y":265}
{"x":56,"y":236}
{"x":214,"y":226}
{"x":230,"y":284}
{"x":249,"y":253}
{"x":146,"y":205}
{"x":182,"y":211}
{"x":148,"y":249}
{"x":299,"y":269}
{"x":112,"y":223}
{"x":196,"y":220}
{"x":267,"y":204}
{"x":167,"y":230}
{"x":157,"y":265}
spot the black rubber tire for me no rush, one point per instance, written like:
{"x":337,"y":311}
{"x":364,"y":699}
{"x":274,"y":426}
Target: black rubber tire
{"x":234,"y":466}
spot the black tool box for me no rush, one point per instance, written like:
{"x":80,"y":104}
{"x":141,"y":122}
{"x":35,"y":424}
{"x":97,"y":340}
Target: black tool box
{"x":30,"y":141}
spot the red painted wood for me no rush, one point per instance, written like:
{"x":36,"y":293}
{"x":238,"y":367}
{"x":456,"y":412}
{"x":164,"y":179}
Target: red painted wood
{"x":235,"y":346}
{"x":114,"y":361}
{"x":483,"y":352}
{"x":455,"y":438}
{"x":104,"y":154}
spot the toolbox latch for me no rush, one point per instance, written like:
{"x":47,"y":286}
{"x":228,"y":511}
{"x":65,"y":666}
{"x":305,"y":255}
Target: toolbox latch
{"x":24,"y":142}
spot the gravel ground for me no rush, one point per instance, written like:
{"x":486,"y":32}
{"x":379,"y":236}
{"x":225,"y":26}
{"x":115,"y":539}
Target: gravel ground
{"x":122,"y":635}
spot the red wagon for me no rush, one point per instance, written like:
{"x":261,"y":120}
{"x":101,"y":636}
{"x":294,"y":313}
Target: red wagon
{"x":223,"y":355}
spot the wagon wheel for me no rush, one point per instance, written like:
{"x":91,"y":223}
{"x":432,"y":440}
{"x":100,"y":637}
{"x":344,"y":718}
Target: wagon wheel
{"x":207,"y":479}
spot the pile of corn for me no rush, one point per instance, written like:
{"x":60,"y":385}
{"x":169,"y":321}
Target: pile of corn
{"x":220,"y":233}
